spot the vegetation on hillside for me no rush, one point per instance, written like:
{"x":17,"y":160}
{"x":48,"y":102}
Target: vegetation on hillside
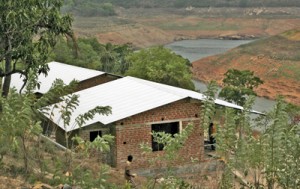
{"x":89,"y":8}
{"x":92,"y":54}
{"x":268,"y":160}
{"x":161,"y":65}
{"x":166,"y":67}
{"x":239,"y":85}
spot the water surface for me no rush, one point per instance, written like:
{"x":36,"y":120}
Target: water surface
{"x":200,"y":48}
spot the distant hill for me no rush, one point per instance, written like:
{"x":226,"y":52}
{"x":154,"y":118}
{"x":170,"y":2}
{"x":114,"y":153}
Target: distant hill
{"x":92,"y":4}
{"x":276,"y":60}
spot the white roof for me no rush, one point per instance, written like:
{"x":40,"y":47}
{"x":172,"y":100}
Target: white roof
{"x":127,"y":96}
{"x":65,"y":72}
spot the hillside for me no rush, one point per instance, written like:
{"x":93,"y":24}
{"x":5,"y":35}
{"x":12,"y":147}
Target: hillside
{"x":276,"y":60}
{"x":148,"y":27}
{"x":91,"y":4}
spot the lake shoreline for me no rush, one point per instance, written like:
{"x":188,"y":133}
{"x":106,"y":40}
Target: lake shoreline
{"x":193,"y":50}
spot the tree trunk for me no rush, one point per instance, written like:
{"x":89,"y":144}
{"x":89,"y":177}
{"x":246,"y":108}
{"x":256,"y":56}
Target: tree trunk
{"x":6,"y":85}
{"x":25,"y":156}
{"x":7,"y":79}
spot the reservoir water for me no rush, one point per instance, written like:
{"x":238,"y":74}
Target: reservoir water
{"x":200,"y":48}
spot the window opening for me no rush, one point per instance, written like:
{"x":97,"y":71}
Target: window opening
{"x":171,"y":128}
{"x":94,"y":134}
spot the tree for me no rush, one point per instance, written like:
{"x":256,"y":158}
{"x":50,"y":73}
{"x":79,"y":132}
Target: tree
{"x":108,"y":57}
{"x":21,"y":138}
{"x":238,"y":85}
{"x":28,"y":30}
{"x":86,"y":55}
{"x":161,"y":65}
{"x":113,"y":58}
{"x":122,"y":65}
{"x":20,"y":119}
{"x":269,"y":159}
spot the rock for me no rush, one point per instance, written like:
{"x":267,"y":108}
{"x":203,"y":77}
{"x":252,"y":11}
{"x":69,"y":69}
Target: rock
{"x":66,"y":186}
{"x":42,"y":186}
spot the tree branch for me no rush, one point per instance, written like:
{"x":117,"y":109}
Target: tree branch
{"x":2,"y":74}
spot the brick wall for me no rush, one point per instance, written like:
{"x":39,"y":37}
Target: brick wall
{"x":131,"y":132}
{"x":135,"y":130}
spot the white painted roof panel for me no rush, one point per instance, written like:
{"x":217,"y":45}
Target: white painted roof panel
{"x":127,"y":96}
{"x":65,"y":72}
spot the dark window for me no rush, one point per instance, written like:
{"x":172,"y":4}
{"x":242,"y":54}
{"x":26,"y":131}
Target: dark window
{"x":171,"y":128}
{"x":94,"y":134}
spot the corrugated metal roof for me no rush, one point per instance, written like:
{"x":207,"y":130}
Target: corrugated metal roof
{"x":127,"y":96}
{"x":65,"y":72}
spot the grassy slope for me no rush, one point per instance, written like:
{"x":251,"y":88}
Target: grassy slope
{"x":275,"y":59}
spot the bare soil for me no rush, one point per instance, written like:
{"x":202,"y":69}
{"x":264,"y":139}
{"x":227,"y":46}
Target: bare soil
{"x":275,"y":65}
{"x":149,"y":27}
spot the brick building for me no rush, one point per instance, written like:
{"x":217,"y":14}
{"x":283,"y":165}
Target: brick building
{"x":138,"y":108}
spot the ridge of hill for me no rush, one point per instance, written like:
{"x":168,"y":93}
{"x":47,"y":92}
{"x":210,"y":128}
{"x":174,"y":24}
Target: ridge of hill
{"x":275,"y":59}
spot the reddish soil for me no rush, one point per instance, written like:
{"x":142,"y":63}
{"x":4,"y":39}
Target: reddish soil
{"x":207,"y":69}
{"x":146,"y":27}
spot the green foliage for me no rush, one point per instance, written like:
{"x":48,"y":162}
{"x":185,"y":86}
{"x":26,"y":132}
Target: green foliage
{"x":68,"y":105}
{"x":28,"y":31}
{"x":87,"y":54}
{"x":172,"y":144}
{"x":161,"y":65}
{"x":83,"y":177}
{"x":208,"y":107}
{"x":92,"y":54}
{"x":238,"y":85}
{"x":20,"y":121}
{"x":282,"y":154}
{"x":18,"y":125}
{"x":270,"y":158}
{"x":113,"y":58}
{"x":101,"y":144}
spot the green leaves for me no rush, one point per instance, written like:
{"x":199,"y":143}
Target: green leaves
{"x":208,"y":107}
{"x":19,"y":125}
{"x":270,"y":156}
{"x":160,"y":65}
{"x":81,"y":119}
{"x":171,"y":144}
{"x":238,"y":85}
{"x":28,"y":31}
